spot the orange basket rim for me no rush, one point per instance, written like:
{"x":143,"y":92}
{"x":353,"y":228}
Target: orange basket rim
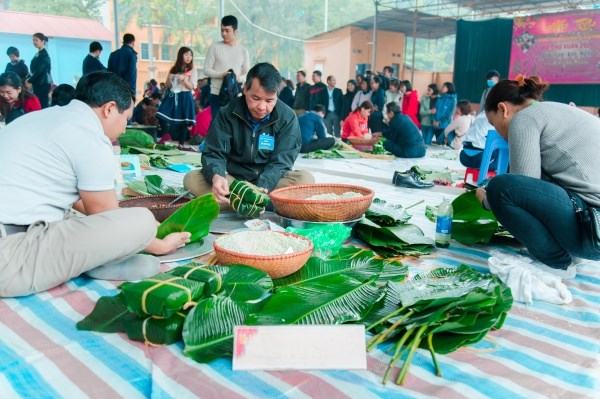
{"x":216,"y":246}
{"x":274,"y":194}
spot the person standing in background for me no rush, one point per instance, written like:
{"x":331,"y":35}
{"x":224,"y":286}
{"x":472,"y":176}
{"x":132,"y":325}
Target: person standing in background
{"x":351,"y":87}
{"x":491,"y":78}
{"x":287,"y":92}
{"x":223,"y":56}
{"x":333,"y":108}
{"x":302,"y":97}
{"x":40,"y":78}
{"x":318,"y":91}
{"x":410,"y":101}
{"x":123,"y":61}
{"x":427,"y":111}
{"x":91,"y":62}
{"x":17,"y":65}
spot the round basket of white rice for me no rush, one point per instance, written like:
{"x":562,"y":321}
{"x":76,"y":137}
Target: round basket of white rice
{"x":276,"y":253}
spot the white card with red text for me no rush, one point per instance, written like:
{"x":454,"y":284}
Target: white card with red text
{"x":314,"y":347}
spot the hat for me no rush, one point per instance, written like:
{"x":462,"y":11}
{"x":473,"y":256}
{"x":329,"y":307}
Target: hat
{"x":492,"y":73}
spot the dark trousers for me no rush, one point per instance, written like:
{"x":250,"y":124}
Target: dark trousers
{"x":427,"y":134}
{"x":332,"y":123}
{"x":540,"y":215}
{"x":318,"y":144}
{"x":474,"y":161}
{"x":213,"y":101}
{"x":439,"y":136}
{"x":42,"y":92}
{"x":404,"y":152}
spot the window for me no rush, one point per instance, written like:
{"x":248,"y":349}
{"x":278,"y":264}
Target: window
{"x":146,"y":51}
{"x":360,"y":69}
{"x":166,"y":53}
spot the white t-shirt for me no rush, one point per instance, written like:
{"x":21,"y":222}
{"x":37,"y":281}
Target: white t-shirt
{"x":222,"y":57}
{"x":46,"y":157}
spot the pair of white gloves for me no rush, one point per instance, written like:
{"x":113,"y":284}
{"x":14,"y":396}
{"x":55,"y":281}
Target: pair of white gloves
{"x":529,"y":279}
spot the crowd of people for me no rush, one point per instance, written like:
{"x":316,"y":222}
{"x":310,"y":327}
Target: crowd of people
{"x":252,"y":136}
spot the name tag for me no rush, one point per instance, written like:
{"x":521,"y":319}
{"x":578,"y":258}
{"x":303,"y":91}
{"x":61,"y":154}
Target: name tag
{"x":266,"y":142}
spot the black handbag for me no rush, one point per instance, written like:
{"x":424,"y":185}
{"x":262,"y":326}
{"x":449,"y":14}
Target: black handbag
{"x":589,"y":221}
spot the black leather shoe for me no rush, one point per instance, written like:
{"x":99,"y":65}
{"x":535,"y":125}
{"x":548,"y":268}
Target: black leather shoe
{"x":410,"y":179}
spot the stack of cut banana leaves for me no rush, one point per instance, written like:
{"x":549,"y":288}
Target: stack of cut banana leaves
{"x":386,"y":229}
{"x":200,"y":305}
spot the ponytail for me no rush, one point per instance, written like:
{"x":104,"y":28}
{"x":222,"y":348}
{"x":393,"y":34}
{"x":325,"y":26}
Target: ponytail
{"x":41,"y":36}
{"x":515,"y":91}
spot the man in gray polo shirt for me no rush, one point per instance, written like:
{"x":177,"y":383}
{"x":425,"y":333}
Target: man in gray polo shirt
{"x":61,"y":158}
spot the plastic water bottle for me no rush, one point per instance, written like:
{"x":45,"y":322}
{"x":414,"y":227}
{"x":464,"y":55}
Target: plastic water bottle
{"x":443,"y":223}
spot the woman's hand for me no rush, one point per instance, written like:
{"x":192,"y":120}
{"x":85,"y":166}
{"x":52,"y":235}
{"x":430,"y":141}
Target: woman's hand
{"x":480,"y":194}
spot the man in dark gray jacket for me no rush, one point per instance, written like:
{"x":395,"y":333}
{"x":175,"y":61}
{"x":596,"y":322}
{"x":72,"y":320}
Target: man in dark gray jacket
{"x":255,"y":138}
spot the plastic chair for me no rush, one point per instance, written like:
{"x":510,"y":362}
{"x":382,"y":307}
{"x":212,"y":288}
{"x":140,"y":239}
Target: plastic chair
{"x":493,"y":142}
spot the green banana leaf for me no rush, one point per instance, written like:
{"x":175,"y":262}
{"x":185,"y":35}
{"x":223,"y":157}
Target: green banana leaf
{"x":136,"y":138}
{"x":156,"y":331}
{"x":208,"y":328}
{"x":161,"y":295}
{"x":188,"y":158}
{"x":153,"y":185}
{"x":384,"y":214}
{"x":471,"y":223}
{"x":152,"y":151}
{"x":362,"y":269}
{"x":108,"y":315}
{"x":211,"y":276}
{"x":330,"y":300}
{"x":404,"y":239}
{"x":351,"y":252}
{"x":194,"y":217}
{"x":346,"y":154}
{"x":433,"y":174}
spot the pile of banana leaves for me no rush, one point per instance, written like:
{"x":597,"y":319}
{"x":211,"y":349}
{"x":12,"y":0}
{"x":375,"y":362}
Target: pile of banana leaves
{"x":440,"y":311}
{"x":432,"y":174}
{"x":386,"y":229}
{"x":153,"y":185}
{"x":337,"y":151}
{"x":139,"y":142}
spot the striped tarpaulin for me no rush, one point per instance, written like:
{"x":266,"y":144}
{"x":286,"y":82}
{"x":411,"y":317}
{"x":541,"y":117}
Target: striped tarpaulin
{"x":542,"y":351}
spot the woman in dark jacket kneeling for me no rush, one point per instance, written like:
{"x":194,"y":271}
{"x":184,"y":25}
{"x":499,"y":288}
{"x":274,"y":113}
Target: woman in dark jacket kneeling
{"x":403,"y":138}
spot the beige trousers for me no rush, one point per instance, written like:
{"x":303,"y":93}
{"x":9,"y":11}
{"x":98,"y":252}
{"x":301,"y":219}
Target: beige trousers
{"x":49,"y":254}
{"x":197,"y":184}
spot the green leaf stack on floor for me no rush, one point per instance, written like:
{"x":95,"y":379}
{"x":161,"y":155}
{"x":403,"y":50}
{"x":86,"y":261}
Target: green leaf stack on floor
{"x":247,"y":199}
{"x":440,"y":311}
{"x":386,"y":230}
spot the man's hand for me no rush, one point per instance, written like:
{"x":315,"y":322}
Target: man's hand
{"x":436,"y":123}
{"x":168,"y":244}
{"x":220,"y":188}
{"x":224,"y":74}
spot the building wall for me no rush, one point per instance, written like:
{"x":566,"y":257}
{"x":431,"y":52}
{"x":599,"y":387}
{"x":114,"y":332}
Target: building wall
{"x":66,"y":54}
{"x":340,"y":51}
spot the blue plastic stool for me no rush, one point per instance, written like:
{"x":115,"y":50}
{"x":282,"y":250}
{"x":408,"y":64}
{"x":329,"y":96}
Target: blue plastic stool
{"x":493,"y":142}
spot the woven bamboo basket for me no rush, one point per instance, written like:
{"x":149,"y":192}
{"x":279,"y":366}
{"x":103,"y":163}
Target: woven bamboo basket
{"x":291,"y":202}
{"x":276,"y":266}
{"x":157,"y":204}
{"x":362,"y":141}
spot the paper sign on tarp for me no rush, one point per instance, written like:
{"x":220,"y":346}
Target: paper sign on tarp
{"x":316,"y":347}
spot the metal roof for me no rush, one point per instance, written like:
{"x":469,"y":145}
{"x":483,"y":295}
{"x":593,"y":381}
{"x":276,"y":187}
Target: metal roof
{"x":482,"y":9}
{"x":53,"y":26}
{"x":417,"y":24}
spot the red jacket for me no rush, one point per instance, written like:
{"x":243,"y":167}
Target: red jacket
{"x":30,"y":104}
{"x":355,"y":125}
{"x":410,"y":106}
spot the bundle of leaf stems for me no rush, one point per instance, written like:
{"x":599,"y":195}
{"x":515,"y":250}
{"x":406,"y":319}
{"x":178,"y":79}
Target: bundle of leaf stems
{"x":410,"y":346}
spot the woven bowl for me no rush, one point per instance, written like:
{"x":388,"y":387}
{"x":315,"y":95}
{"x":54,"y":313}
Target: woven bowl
{"x":157,"y":204}
{"x":291,"y":202}
{"x":363,"y":142}
{"x":276,"y":266}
